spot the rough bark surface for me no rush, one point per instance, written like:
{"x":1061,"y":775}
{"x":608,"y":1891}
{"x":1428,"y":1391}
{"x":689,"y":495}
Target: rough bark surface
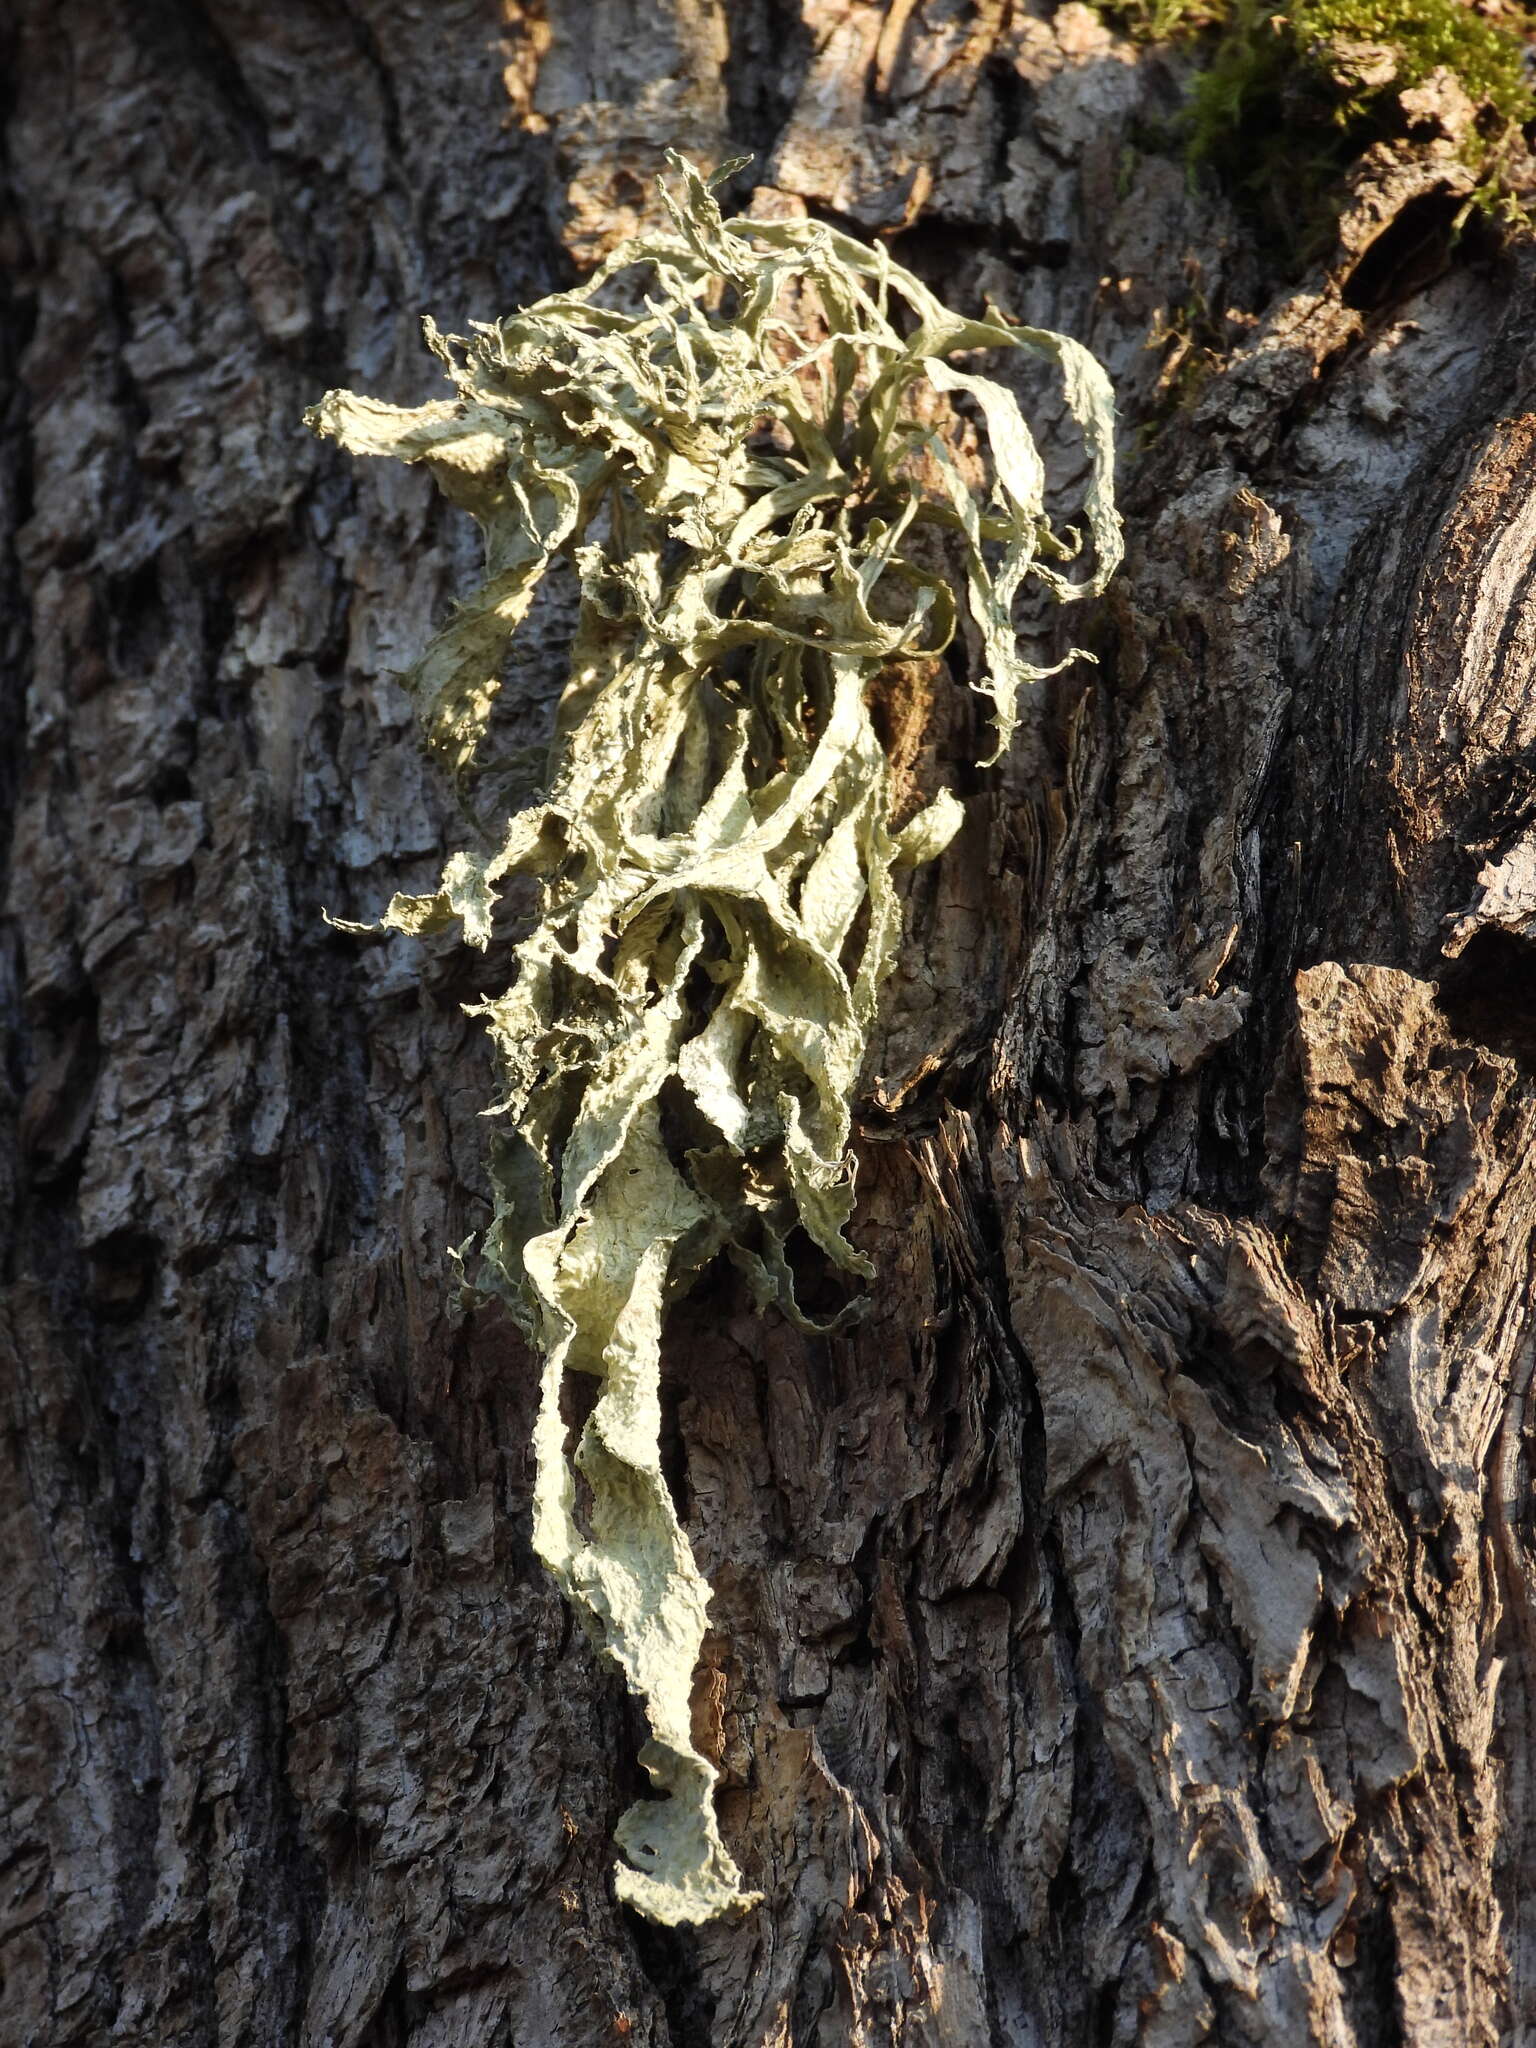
{"x":1127,"y":1633}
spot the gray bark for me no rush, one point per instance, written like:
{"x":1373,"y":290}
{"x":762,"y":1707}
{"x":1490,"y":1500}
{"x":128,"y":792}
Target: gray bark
{"x":1126,"y":1634}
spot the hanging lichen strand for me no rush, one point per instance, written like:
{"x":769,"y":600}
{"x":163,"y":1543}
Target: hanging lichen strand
{"x":733,"y":458}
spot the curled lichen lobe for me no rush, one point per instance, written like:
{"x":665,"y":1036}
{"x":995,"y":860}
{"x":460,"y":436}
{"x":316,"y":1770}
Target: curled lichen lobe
{"x":733,"y":433}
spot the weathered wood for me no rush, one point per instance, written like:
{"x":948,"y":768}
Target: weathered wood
{"x":1126,"y":1634}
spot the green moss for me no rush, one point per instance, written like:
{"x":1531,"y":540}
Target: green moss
{"x":1488,"y":61}
{"x":1341,"y":65}
{"x":1159,"y":21}
{"x":1289,"y":96}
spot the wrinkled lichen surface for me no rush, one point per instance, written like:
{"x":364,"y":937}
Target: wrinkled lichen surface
{"x":736,"y":432}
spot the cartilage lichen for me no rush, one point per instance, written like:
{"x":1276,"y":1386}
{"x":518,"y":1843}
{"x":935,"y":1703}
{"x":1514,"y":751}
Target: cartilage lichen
{"x":735,"y":458}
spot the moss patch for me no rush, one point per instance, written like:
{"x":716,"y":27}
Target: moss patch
{"x":1289,"y":96}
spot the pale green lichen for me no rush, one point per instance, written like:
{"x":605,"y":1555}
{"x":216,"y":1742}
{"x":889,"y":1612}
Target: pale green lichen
{"x":735,"y":459}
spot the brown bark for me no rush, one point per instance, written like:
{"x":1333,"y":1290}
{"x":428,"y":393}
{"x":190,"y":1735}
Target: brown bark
{"x":1126,"y":1634}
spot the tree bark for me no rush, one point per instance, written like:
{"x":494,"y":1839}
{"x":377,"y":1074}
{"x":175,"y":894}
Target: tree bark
{"x":1126,"y":1634}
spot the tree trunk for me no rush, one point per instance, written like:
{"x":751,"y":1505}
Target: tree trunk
{"x":1126,"y":1633}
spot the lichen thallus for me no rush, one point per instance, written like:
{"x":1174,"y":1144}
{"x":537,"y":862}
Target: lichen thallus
{"x":734,"y":431}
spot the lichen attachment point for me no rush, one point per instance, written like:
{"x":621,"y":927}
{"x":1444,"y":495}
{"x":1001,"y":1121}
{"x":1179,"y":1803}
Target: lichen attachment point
{"x":737,"y":455}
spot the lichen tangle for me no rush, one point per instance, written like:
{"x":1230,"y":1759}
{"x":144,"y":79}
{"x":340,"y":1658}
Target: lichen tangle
{"x":734,"y":431}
